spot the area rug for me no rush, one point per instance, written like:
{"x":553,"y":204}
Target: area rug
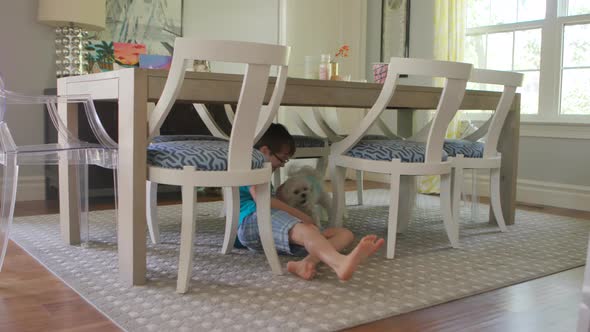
{"x":237,"y":292}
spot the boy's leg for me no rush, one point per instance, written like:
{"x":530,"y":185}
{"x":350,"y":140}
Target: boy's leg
{"x":317,"y":245}
{"x":339,"y":237}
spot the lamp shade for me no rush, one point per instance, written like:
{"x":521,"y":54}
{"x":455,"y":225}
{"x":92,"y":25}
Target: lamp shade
{"x":86,"y":14}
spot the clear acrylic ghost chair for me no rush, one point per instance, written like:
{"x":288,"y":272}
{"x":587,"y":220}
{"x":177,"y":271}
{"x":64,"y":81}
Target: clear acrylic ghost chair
{"x":220,"y":163}
{"x":76,"y":152}
{"x":399,"y":158}
{"x":469,"y":153}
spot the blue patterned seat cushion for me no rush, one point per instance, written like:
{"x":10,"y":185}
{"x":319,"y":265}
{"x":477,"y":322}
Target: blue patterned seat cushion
{"x":406,"y":151}
{"x":204,"y":155}
{"x":308,"y":142}
{"x":170,"y":138}
{"x":467,"y":148}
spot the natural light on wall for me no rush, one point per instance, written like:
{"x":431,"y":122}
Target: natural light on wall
{"x":524,"y":36}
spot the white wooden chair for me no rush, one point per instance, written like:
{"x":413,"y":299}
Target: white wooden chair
{"x":69,"y":150}
{"x":219,"y":163}
{"x":469,"y":153}
{"x":400,"y":157}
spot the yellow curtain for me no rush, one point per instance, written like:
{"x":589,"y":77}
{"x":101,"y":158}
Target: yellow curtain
{"x":449,"y":35}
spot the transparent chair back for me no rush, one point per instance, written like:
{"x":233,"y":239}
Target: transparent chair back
{"x":69,"y":149}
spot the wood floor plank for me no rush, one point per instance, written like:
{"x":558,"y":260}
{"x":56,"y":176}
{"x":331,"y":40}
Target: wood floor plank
{"x":32,"y":299}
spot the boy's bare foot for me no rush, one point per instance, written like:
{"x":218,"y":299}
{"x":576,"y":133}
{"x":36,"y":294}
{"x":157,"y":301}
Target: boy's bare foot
{"x":303,"y":269}
{"x":367,"y":246}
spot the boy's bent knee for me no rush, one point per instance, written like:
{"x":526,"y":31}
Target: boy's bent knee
{"x":298,"y":233}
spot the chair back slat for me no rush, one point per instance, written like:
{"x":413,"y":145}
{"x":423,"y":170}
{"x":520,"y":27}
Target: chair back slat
{"x":449,"y":102}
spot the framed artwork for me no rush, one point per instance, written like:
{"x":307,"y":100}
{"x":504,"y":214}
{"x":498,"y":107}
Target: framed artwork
{"x":395,"y":29}
{"x":153,"y":23}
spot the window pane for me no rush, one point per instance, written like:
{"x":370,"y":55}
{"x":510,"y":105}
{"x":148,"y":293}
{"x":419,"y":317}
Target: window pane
{"x":576,"y":45}
{"x":531,"y":10}
{"x":475,"y":51}
{"x":503,"y":11}
{"x":529,"y":99}
{"x":500,"y":51}
{"x":527,"y":49}
{"x":575,"y":95}
{"x":578,"y":7}
{"x":478,"y":13}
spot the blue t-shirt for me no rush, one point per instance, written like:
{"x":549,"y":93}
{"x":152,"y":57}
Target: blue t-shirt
{"x":247,"y":204}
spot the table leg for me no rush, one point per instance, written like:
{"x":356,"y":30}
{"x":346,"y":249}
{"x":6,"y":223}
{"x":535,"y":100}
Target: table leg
{"x":132,"y":176}
{"x":508,"y":146}
{"x":69,"y":192}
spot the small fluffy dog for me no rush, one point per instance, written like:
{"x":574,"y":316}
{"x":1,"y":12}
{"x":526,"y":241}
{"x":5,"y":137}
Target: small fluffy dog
{"x":303,"y":190}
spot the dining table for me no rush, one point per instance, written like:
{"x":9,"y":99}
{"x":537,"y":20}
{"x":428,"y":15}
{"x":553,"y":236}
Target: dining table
{"x":133,"y":88}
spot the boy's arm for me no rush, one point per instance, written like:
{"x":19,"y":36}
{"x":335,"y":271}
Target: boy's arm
{"x":280,"y":205}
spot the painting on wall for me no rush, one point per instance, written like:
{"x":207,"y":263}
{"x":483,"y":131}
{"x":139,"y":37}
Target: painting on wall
{"x":395,"y":24}
{"x":154,"y":23}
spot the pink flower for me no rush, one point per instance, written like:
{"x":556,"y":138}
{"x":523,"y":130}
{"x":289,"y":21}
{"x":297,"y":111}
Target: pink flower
{"x":342,"y":51}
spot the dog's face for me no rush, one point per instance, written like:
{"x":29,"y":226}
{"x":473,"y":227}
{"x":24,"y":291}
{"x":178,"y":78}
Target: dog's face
{"x":297,"y":192}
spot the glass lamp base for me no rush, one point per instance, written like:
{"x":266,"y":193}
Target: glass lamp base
{"x":70,"y":51}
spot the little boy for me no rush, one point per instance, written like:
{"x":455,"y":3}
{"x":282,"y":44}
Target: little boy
{"x":294,"y":232}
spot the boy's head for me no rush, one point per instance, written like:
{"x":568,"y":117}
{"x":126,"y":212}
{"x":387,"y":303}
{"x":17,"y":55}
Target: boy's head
{"x":277,"y":145}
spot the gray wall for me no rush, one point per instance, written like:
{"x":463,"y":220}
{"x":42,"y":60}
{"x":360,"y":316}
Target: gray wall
{"x":27,"y":65}
{"x":564,"y":161}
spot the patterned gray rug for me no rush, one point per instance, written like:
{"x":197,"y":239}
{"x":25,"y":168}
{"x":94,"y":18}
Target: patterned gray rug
{"x":237,"y":291}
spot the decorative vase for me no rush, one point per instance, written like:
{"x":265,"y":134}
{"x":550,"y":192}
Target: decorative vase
{"x":334,"y":70}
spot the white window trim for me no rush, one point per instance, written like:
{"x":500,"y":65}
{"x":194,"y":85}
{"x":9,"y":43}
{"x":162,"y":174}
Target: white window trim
{"x":547,"y":122}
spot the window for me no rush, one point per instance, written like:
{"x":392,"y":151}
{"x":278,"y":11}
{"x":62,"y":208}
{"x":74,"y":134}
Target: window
{"x":548,"y":41}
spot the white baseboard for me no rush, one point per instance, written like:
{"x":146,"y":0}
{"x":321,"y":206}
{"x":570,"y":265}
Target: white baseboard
{"x":527,"y":191}
{"x":30,"y":188}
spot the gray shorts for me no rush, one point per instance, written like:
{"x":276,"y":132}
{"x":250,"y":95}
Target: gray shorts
{"x":282,"y":222}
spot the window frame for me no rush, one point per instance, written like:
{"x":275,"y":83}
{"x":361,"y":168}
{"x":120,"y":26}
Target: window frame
{"x":550,"y":71}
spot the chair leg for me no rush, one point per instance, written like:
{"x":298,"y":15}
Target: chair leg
{"x":10,"y":180}
{"x":265,"y":227}
{"x":224,"y":206}
{"x":406,"y":202}
{"x":359,"y":186}
{"x":474,"y":197}
{"x":151,"y":190}
{"x":495,"y":198}
{"x":394,"y":180}
{"x":231,"y":198}
{"x":276,"y":178}
{"x":82,"y":170}
{"x":337,"y":174}
{"x":116,"y":194}
{"x":321,"y":167}
{"x":456,"y":190}
{"x":187,"y":236}
{"x":451,"y":226}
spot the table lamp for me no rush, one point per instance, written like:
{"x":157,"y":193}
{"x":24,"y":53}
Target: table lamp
{"x":72,"y":20}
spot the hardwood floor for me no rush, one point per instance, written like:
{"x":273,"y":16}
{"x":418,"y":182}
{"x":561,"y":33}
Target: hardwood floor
{"x":33,"y":299}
